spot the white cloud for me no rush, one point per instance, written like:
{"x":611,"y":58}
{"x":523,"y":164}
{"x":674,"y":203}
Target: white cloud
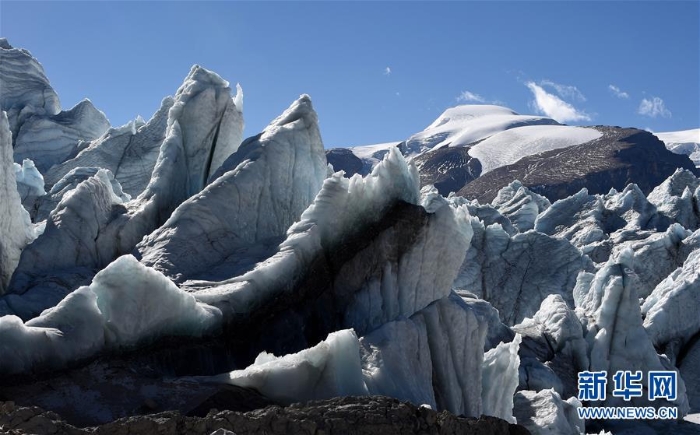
{"x":470,"y":97}
{"x":555,"y":107}
{"x":653,"y":107}
{"x":387,"y":71}
{"x":618,"y":92}
{"x":565,"y":91}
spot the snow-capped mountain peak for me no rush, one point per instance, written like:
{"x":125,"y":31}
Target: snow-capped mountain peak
{"x":466,"y":124}
{"x":683,"y":142}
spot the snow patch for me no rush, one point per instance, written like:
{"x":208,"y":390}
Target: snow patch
{"x":507,"y":147}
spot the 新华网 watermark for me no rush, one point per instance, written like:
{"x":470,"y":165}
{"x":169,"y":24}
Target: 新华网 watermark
{"x":627,"y":384}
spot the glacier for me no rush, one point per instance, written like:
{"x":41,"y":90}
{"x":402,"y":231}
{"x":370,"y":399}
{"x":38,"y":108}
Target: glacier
{"x":25,"y":89}
{"x":329,"y":369}
{"x":45,"y":204}
{"x":342,"y":209}
{"x":595,"y":223}
{"x":676,"y":198}
{"x":205,"y":115}
{"x":500,"y":379}
{"x":50,"y":140}
{"x":41,"y":131}
{"x":257,"y":194}
{"x":386,"y":371}
{"x":520,"y":205}
{"x":669,"y":309}
{"x":505,"y":270}
{"x":608,"y":306}
{"x":170,"y":260}
{"x":129,"y":152}
{"x":554,"y":350}
{"x":545,"y":412}
{"x":96,"y":226}
{"x":375,"y":364}
{"x":30,"y":184}
{"x":125,"y":305}
{"x":72,"y":234}
{"x":15,"y":224}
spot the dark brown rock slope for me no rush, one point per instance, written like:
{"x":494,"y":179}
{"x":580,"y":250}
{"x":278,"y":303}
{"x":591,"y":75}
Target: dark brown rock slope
{"x":619,"y":157}
{"x":448,"y":168}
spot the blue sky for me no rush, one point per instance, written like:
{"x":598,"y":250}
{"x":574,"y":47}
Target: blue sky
{"x":377,"y":72}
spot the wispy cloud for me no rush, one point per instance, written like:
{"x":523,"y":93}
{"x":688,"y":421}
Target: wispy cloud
{"x":653,"y":107}
{"x":618,"y":92}
{"x":555,"y":107}
{"x":470,"y":97}
{"x":387,"y":71}
{"x":564,"y":91}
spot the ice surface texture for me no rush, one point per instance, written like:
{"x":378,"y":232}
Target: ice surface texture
{"x":545,"y":412}
{"x":500,"y":379}
{"x":608,"y":306}
{"x":520,"y":205}
{"x":445,"y":340}
{"x":30,"y":183}
{"x":129,"y":152}
{"x":177,"y":231}
{"x":554,"y":350}
{"x":15,"y":225}
{"x":261,"y":192}
{"x":126,"y":304}
{"x":40,"y":130}
{"x":93,"y":225}
{"x":511,"y":273}
{"x":24,"y":87}
{"x":49,"y":140}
